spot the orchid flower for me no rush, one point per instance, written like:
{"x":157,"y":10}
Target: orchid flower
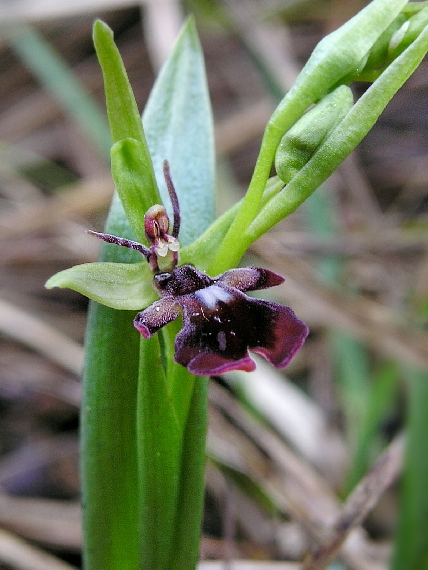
{"x":220,"y":322}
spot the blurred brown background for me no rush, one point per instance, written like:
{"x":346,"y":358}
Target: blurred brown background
{"x":356,"y":265}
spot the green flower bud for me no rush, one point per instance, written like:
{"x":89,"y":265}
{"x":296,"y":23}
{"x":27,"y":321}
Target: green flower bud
{"x":407,"y":33}
{"x":299,"y":144}
{"x":378,"y":55}
{"x":406,"y":27}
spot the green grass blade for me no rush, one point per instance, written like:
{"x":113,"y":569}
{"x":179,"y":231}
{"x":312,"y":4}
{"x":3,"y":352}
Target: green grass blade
{"x":378,"y":402}
{"x":350,"y":357}
{"x":54,"y":75}
{"x":411,"y":548}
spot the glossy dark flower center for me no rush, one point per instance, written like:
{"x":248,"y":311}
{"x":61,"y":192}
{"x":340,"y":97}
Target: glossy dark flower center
{"x":183,"y":280}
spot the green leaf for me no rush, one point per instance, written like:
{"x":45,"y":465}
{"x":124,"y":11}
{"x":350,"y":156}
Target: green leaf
{"x":185,"y":547}
{"x":125,"y":286}
{"x":342,"y":140}
{"x":178,"y":125}
{"x":339,"y":56}
{"x":108,"y":420}
{"x":109,"y":469}
{"x":109,"y":466}
{"x":173,"y":402}
{"x":159,"y":439}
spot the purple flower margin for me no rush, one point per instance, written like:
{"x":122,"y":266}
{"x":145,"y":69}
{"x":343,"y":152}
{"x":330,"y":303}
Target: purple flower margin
{"x":220,"y":322}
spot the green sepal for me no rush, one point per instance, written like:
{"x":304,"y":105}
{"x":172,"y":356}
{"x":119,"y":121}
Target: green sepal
{"x":132,"y":172}
{"x":124,"y":286}
{"x":411,"y":543}
{"x":302,"y":140}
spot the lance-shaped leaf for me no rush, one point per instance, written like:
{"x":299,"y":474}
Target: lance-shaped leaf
{"x":109,"y":466}
{"x":178,"y":125}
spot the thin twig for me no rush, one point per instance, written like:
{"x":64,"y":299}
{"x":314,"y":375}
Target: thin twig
{"x":365,"y":496}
